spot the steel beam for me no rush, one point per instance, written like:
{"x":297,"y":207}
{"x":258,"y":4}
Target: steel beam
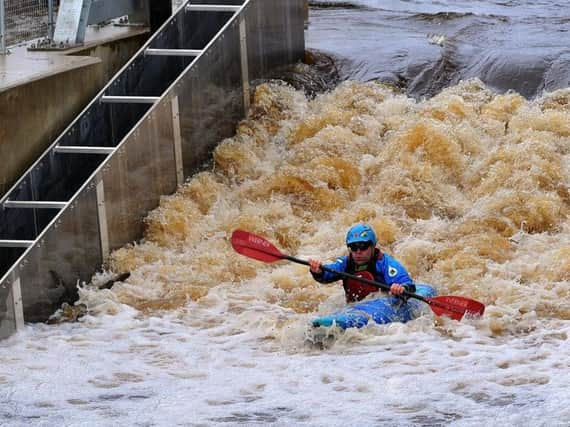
{"x":130,"y":99}
{"x":75,"y":149}
{"x":33,"y":204}
{"x":173,"y":52}
{"x":16,"y":243}
{"x":212,"y":8}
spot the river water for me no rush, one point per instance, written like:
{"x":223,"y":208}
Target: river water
{"x":469,"y":188}
{"x":519,"y":45}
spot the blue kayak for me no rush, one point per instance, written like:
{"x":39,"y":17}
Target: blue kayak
{"x":382,"y":310}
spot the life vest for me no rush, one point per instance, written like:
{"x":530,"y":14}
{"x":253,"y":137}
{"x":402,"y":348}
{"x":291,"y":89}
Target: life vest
{"x":355,"y":290}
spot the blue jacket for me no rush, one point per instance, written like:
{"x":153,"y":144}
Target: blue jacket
{"x":385,"y":270}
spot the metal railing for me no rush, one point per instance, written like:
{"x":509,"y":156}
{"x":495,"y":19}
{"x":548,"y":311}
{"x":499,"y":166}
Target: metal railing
{"x":25,"y":20}
{"x":22,"y":21}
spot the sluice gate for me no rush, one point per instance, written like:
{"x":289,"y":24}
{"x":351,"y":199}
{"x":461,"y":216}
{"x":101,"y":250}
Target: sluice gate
{"x":152,"y":126}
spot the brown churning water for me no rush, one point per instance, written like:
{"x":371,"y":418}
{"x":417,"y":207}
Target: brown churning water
{"x":469,"y":190}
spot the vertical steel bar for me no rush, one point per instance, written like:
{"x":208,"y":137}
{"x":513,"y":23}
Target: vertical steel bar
{"x":2,"y":29}
{"x":50,"y":20}
{"x":17,"y":303}
{"x":177,"y":141}
{"x":102,"y":218}
{"x":244,"y":65}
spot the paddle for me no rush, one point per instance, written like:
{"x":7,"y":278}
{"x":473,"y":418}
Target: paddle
{"x":258,"y":248}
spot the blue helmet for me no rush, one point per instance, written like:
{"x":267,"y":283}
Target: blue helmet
{"x":360,"y":233}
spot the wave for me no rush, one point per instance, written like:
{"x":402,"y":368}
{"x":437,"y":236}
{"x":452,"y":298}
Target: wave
{"x":335,"y":5}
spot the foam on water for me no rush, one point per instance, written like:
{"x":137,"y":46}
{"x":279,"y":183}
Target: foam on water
{"x":470,"y":190}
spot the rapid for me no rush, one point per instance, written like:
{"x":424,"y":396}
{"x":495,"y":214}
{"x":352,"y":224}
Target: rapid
{"x":468,"y":188}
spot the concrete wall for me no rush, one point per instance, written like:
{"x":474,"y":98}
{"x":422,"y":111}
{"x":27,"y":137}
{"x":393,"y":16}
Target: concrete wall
{"x":34,"y":113}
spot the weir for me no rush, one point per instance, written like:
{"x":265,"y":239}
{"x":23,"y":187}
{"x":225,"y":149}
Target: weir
{"x":152,"y":126}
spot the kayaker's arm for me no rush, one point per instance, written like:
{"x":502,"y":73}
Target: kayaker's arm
{"x":326,"y":275}
{"x":408,"y":287}
{"x":395,"y":273}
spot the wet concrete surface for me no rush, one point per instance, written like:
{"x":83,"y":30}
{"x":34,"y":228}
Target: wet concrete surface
{"x":22,"y":66}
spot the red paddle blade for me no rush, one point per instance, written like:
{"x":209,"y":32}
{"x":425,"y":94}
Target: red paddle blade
{"x":455,"y":307}
{"x":255,"y":247}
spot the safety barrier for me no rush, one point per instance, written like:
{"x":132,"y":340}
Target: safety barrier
{"x":152,"y":126}
{"x":23,"y":20}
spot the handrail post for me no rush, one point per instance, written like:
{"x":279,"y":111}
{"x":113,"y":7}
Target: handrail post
{"x":2,"y":29}
{"x":50,"y":20}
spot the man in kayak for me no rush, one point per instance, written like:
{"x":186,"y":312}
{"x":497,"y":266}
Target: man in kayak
{"x":366,"y":261}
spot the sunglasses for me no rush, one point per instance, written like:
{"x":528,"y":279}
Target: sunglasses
{"x":359,"y":246}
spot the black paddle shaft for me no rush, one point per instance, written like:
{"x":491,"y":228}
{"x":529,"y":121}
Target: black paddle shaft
{"x":358,"y":278}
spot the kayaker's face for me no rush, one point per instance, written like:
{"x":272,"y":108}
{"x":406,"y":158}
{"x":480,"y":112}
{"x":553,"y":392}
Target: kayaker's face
{"x":361,"y":252}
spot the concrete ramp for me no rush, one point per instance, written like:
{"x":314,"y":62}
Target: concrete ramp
{"x":152,"y":126}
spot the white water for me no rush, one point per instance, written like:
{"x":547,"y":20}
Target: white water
{"x":171,"y":370}
{"x":469,"y":190}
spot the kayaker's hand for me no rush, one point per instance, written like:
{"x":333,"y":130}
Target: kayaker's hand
{"x":315,"y":265}
{"x":397,"y":289}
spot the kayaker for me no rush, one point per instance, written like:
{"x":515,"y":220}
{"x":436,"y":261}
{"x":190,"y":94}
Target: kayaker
{"x":365,"y":260}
